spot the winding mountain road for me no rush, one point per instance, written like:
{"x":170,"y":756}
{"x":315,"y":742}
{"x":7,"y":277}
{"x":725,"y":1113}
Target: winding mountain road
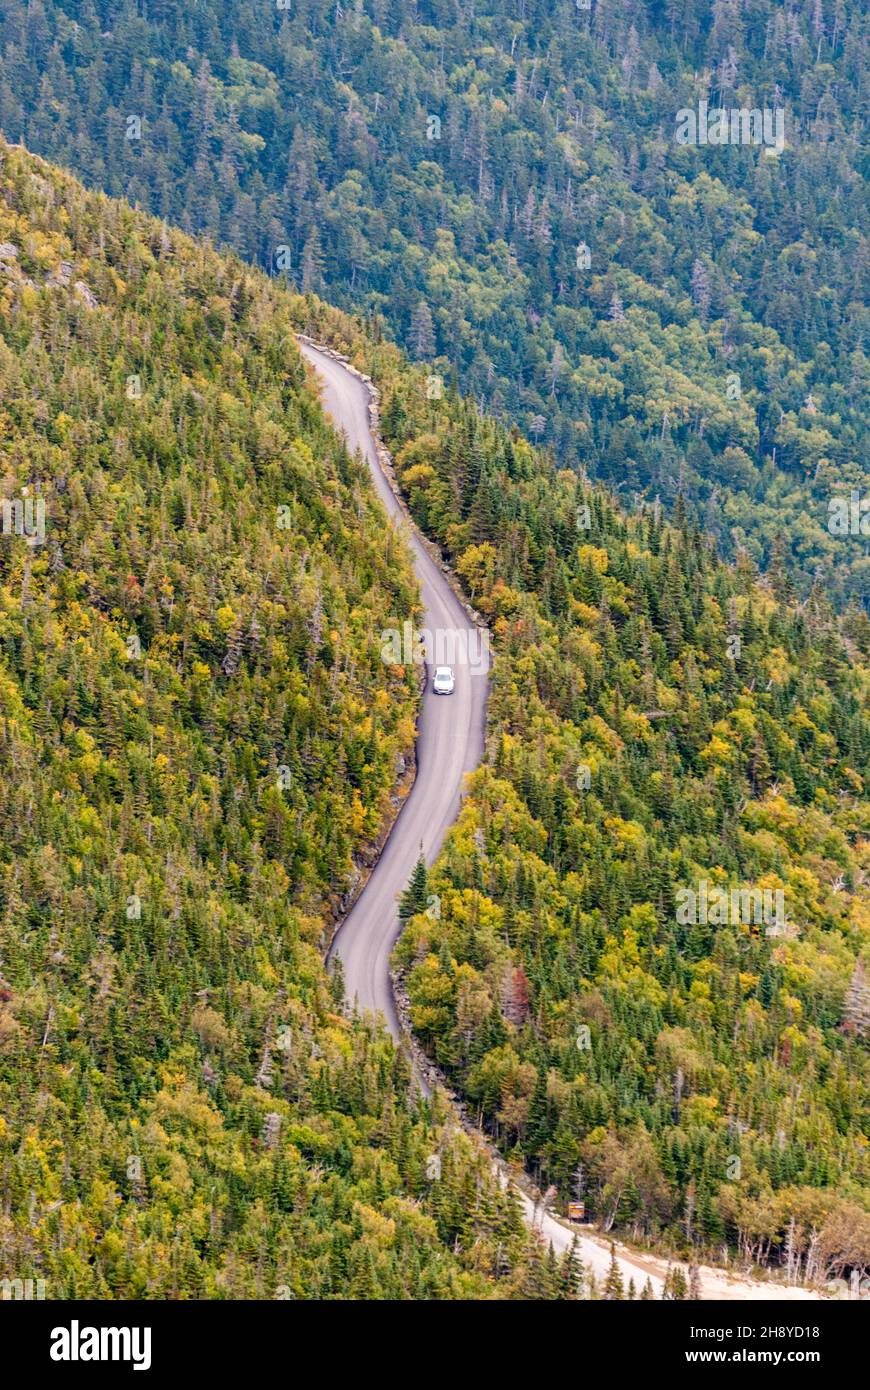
{"x":450,"y":742}
{"x":450,"y":730}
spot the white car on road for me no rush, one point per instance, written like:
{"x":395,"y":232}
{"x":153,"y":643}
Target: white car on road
{"x":443,"y":681}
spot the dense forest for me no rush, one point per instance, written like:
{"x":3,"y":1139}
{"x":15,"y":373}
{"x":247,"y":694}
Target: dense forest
{"x":503,"y":183}
{"x":624,"y":382}
{"x":658,"y":718}
{"x":199,"y":740}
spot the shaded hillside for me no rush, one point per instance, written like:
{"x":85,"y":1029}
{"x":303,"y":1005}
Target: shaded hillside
{"x":448,"y":164}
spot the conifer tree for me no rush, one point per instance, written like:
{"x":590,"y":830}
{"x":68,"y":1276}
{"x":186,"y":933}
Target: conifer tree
{"x":416,"y":896}
{"x":571,"y":1274}
{"x":614,"y":1288}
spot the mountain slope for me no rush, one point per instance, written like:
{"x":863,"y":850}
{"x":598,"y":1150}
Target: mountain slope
{"x":446,"y":165}
{"x":659,"y":723}
{"x":364,"y":939}
{"x":200,"y":741}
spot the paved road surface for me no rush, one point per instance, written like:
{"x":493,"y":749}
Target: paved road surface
{"x":449,"y":739}
{"x":449,"y":744}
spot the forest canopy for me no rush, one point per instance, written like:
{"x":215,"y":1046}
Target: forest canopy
{"x":504,"y":183}
{"x":200,"y":745}
{"x":664,"y":730}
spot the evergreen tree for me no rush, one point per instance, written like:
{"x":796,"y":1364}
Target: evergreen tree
{"x":614,"y":1287}
{"x":416,"y":896}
